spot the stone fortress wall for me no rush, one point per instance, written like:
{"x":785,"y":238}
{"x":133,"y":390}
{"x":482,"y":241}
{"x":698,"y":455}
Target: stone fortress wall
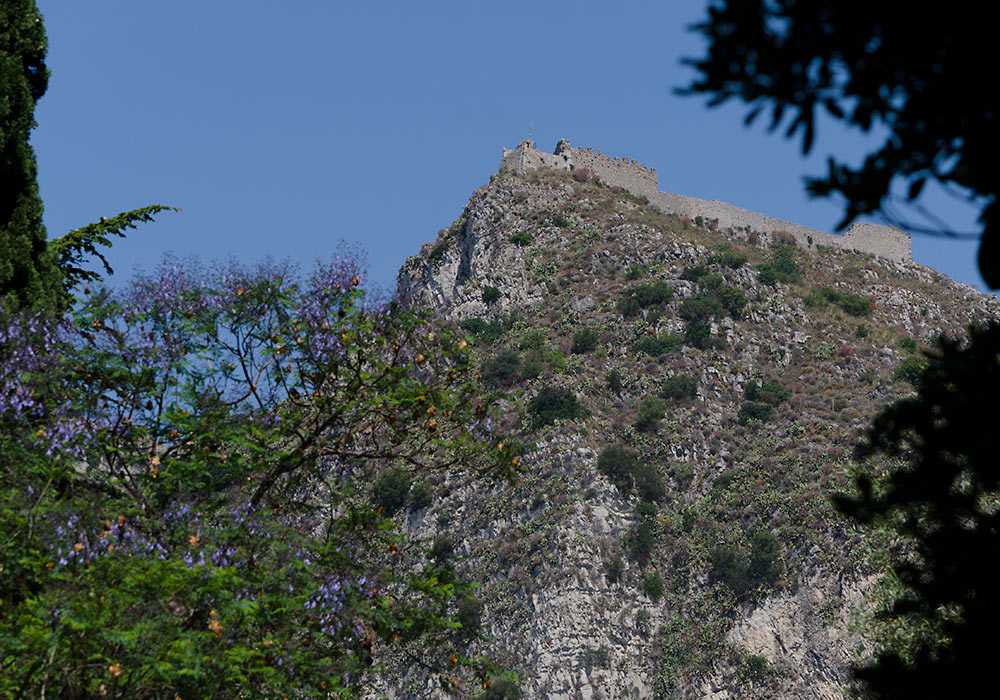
{"x":885,"y":241}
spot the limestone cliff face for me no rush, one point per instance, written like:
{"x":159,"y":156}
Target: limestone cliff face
{"x":570,"y":593}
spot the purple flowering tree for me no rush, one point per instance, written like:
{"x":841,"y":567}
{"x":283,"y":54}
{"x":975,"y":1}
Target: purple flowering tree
{"x":187,"y":467}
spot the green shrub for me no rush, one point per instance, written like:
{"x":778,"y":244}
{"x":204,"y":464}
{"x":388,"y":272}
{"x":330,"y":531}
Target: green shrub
{"x":420,"y":496}
{"x":391,"y":489}
{"x":533,"y":339}
{"x":754,"y":410}
{"x":729,"y":566}
{"x":501,"y":689}
{"x":554,"y":403}
{"x":712,"y":282}
{"x":628,"y":305}
{"x":702,"y":307}
{"x":766,"y":274}
{"x":486,"y":331}
{"x":652,"y":584}
{"x":770,"y":393}
{"x":648,"y":483}
{"x":491,"y":295}
{"x":729,"y":258}
{"x":694,"y":273}
{"x":651,"y":411}
{"x":501,"y":369}
{"x":862,"y":331}
{"x":531,"y":367}
{"x":754,"y":669}
{"x":824,"y":351}
{"x":733,"y":300}
{"x":910,"y":370}
{"x":765,"y":558}
{"x":584,"y":340}
{"x":442,"y":547}
{"x":854,"y":304}
{"x":908,"y":344}
{"x":561,"y":220}
{"x":679,"y":387}
{"x":635,"y":271}
{"x":521,"y":239}
{"x":614,"y":568}
{"x":815,"y":298}
{"x":783,"y":263}
{"x":469,"y":614}
{"x":656,"y":346}
{"x":697,"y":333}
{"x":641,"y":539}
{"x":618,"y":464}
{"x":655,"y":293}
{"x":614,"y":381}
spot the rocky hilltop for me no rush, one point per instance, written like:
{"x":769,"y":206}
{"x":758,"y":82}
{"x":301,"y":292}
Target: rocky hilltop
{"x":691,"y":397}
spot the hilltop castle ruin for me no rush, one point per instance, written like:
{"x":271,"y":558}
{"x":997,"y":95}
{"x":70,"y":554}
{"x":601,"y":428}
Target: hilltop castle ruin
{"x":884,"y":241}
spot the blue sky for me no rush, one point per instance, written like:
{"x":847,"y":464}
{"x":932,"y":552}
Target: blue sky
{"x":282,"y":128}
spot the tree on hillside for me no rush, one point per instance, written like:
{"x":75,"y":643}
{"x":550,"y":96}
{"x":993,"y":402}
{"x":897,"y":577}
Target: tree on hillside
{"x":27,"y":269}
{"x":913,"y":74}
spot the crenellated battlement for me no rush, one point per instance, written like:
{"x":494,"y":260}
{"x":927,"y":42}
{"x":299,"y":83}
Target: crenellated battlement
{"x":885,"y":241}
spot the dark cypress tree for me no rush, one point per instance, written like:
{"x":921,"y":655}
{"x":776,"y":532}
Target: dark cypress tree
{"x":28,"y":272}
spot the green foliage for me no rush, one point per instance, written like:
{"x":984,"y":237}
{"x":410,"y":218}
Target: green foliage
{"x":533,"y":339}
{"x":941,"y":505}
{"x":729,"y":257}
{"x":852,"y":304}
{"x":755,"y":669}
{"x":693,"y":273}
{"x":521,"y":239}
{"x":469,"y":615}
{"x":704,"y":306}
{"x":754,"y":411}
{"x":420,"y":496}
{"x":654,"y":346}
{"x":766,"y":275}
{"x":584,"y":340}
{"x":636,"y":270}
{"x":614,"y":381}
{"x":501,"y":689}
{"x":561,"y":220}
{"x":908,"y":343}
{"x":554,"y":403}
{"x":780,"y":267}
{"x":910,"y":370}
{"x":658,"y":292}
{"x":641,"y":537}
{"x":532,"y":366}
{"x":491,"y":295}
{"x":698,"y":334}
{"x":442,"y":547}
{"x":487,"y":331}
{"x":733,"y":300}
{"x":679,"y":387}
{"x":643,"y":296}
{"x":192,"y":489}
{"x":28,"y":271}
{"x":862,"y":331}
{"x":652,"y":585}
{"x":651,"y":411}
{"x":771,"y":393}
{"x":502,"y":369}
{"x":624,"y":469}
{"x":614,"y":568}
{"x":76,"y":247}
{"x":391,"y":490}
{"x":744,"y":574}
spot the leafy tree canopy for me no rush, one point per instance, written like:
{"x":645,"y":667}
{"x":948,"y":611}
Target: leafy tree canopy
{"x":915,"y":75}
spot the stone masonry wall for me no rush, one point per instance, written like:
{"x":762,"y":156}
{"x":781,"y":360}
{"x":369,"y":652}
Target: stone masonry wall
{"x":884,"y":241}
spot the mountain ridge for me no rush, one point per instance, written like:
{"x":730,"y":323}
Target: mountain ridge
{"x":540,"y":256}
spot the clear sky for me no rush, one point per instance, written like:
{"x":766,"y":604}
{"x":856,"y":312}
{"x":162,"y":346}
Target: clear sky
{"x":281,"y":128}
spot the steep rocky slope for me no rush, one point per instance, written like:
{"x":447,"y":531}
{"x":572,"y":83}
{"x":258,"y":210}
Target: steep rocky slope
{"x":675,"y":538}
